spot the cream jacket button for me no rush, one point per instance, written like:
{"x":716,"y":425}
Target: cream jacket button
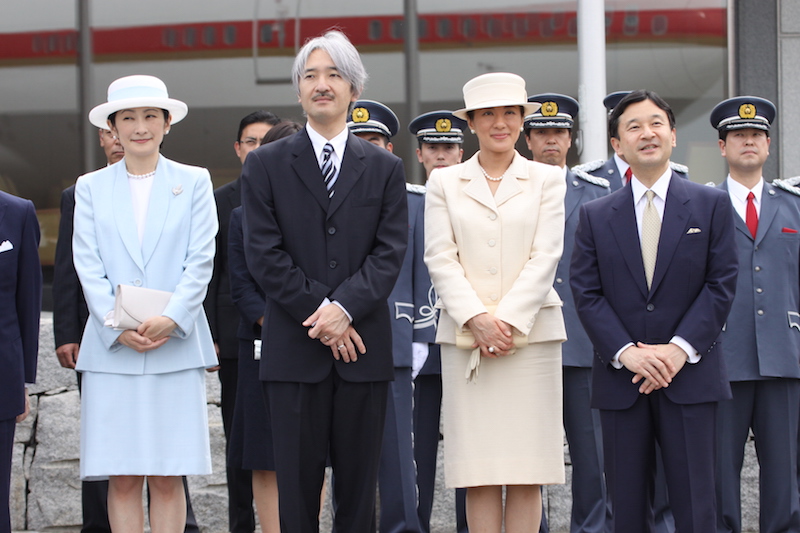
{"x":493,"y":297}
{"x":492,"y":242}
{"x":493,"y":270}
{"x":492,"y":216}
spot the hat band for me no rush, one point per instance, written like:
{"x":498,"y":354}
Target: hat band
{"x":441,"y":138}
{"x":136,"y":92}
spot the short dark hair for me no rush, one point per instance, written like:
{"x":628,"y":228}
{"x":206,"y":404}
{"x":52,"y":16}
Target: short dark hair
{"x":633,"y":98}
{"x":113,"y":117}
{"x":254,"y":118}
{"x":723,"y":134}
{"x":284,"y":128}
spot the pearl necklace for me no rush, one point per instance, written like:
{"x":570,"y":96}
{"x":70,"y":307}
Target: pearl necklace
{"x":141,"y":176}
{"x":488,"y":177}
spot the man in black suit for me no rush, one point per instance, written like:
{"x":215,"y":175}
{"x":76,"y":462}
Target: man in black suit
{"x":69,"y":319}
{"x":21,"y":304}
{"x":326,"y":228}
{"x":223,"y":319}
{"x":653,"y":274}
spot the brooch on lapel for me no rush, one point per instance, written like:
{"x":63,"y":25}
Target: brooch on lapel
{"x":177,"y":190}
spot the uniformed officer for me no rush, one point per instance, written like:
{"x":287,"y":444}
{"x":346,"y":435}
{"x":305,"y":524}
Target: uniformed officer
{"x":548,"y":133}
{"x":440,"y":138}
{"x":397,"y":478}
{"x":762,"y":335}
{"x":615,"y":169}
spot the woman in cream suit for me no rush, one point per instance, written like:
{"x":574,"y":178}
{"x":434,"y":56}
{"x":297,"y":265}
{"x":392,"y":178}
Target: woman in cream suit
{"x":148,"y":222}
{"x":493,"y":237}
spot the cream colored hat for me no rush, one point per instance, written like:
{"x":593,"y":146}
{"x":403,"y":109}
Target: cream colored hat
{"x":496,"y":89}
{"x":137,"y":91}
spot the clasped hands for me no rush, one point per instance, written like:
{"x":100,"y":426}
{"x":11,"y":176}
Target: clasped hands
{"x":331,"y":326}
{"x":492,"y":335}
{"x":151,"y":334}
{"x":654,"y":365}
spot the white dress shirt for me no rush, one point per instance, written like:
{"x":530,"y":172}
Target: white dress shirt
{"x":738,"y":194}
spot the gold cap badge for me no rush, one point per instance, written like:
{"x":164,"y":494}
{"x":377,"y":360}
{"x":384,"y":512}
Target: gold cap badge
{"x":747,"y":111}
{"x":443,"y":125}
{"x":549,"y":109}
{"x":360,"y":114}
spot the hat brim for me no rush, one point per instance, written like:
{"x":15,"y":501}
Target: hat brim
{"x":529,"y":107}
{"x":99,"y":115}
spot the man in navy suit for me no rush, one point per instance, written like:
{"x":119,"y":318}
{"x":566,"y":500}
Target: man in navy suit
{"x":21,"y":304}
{"x":653,"y":275}
{"x":762,"y":335}
{"x":616,"y":169}
{"x":548,"y":133}
{"x":223,"y":319}
{"x":326,"y":227}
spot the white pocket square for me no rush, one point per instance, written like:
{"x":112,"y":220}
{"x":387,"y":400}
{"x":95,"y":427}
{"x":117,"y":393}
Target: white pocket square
{"x":693,"y":230}
{"x":6,"y":246}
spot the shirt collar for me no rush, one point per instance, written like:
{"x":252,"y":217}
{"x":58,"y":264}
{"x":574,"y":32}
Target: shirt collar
{"x":660,"y":187}
{"x":318,"y":142}
{"x":740,"y":192}
{"x":622,"y":166}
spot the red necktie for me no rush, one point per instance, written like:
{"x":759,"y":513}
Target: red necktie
{"x":628,"y":174}
{"x":751,"y":217}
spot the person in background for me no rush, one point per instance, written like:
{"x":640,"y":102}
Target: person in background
{"x":250,"y":442}
{"x":144,"y":222}
{"x":224,"y":320}
{"x":69,"y":320}
{"x":548,"y":133}
{"x":494,"y":231}
{"x":440,"y":135}
{"x":21,"y":304}
{"x":762,"y":334}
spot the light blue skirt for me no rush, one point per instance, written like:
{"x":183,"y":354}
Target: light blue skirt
{"x":153,"y":424}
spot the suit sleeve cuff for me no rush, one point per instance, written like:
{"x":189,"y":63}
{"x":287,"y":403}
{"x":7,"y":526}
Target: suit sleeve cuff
{"x":691,"y":353}
{"x":615,"y":360}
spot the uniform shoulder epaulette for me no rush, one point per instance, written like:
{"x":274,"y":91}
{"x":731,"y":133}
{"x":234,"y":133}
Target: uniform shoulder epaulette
{"x":594,"y":180}
{"x":677,"y":167}
{"x":791,"y":185}
{"x":591,"y":166}
{"x":416,"y":189}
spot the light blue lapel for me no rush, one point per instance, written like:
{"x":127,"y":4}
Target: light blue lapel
{"x":161,"y":195}
{"x":123,"y":214}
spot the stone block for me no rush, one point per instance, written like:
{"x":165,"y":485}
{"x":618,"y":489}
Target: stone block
{"x":50,"y":374}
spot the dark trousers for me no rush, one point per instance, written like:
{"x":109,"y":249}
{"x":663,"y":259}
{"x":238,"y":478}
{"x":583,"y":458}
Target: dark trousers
{"x":687,"y":437}
{"x":241,"y":517}
{"x":397,"y":477}
{"x":7,"y":428}
{"x":308,"y":421}
{"x":771,"y":408}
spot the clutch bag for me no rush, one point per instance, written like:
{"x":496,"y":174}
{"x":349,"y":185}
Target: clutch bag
{"x":134,"y":305}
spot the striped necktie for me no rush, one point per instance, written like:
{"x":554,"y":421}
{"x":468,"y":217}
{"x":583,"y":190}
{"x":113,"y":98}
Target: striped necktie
{"x":328,"y":168}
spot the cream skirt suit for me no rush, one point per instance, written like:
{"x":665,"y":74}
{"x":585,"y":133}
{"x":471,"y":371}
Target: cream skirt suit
{"x":499,"y":254}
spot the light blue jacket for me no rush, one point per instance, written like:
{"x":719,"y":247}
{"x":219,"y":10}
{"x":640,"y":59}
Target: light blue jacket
{"x":176,"y":255}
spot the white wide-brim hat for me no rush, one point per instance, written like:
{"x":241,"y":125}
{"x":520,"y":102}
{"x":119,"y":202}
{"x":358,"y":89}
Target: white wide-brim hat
{"x":496,"y":89}
{"x":137,"y":91}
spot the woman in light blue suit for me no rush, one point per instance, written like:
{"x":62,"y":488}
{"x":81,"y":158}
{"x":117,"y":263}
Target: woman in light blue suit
{"x":148,"y":222}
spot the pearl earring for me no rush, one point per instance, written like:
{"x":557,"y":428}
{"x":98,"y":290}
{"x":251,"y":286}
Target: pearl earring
{"x":522,"y":128}
{"x":472,"y":131}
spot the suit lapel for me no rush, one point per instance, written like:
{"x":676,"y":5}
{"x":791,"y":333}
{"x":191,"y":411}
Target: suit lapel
{"x":510,"y":185}
{"x":738,"y":222}
{"x":123,"y":215}
{"x":476,"y":187}
{"x":3,"y":206}
{"x":575,"y":190}
{"x":234,"y":195}
{"x":353,"y":167}
{"x":626,"y":233}
{"x":673,"y":227}
{"x":769,"y":208}
{"x":158,"y":207}
{"x":306,"y":168}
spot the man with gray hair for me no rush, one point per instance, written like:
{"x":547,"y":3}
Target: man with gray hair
{"x":326,"y":227}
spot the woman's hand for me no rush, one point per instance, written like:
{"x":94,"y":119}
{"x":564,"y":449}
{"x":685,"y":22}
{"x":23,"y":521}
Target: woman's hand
{"x":156,"y":327}
{"x":134,"y":341}
{"x":492,"y":335}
